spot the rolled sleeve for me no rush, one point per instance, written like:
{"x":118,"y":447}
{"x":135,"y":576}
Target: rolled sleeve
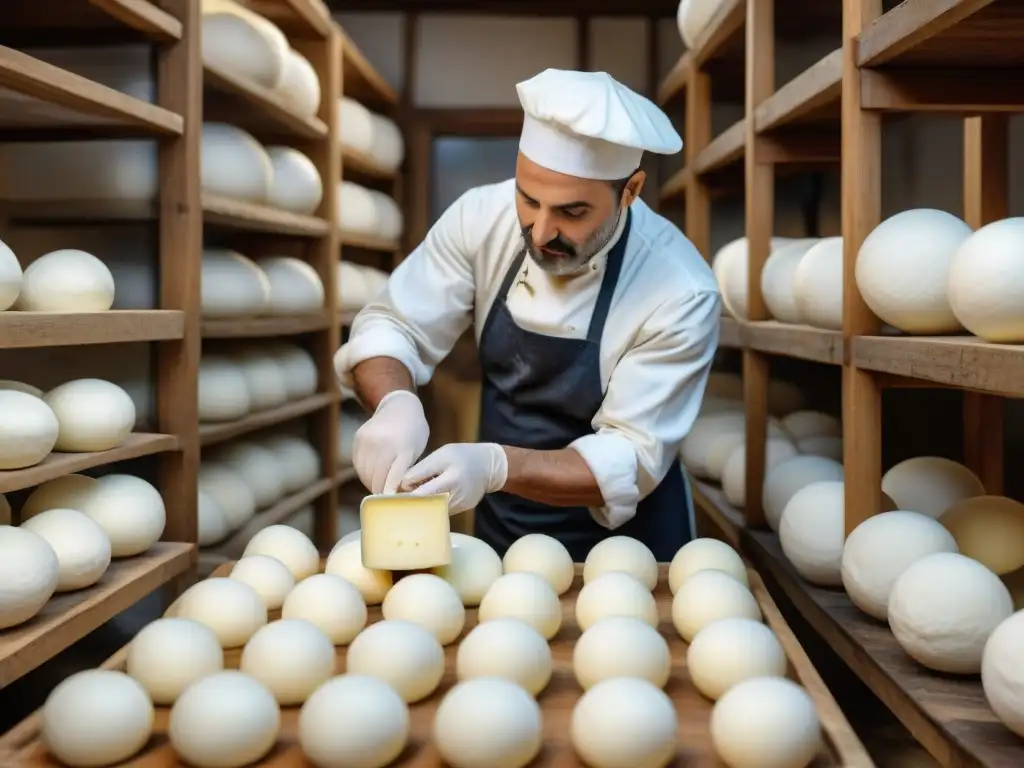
{"x":652,"y":399}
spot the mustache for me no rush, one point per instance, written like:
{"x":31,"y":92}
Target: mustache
{"x":558,"y":245}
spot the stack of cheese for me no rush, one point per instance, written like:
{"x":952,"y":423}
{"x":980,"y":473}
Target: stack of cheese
{"x":358,"y":285}
{"x":252,"y":377}
{"x":365,"y":211}
{"x":234,"y":286}
{"x":243,"y":477}
{"x":370,"y":134}
{"x":70,"y":529}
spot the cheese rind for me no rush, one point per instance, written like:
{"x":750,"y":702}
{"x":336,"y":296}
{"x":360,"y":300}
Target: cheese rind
{"x":404,"y":532}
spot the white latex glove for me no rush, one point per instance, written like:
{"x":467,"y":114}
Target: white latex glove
{"x":465,"y":470}
{"x":390,"y":441}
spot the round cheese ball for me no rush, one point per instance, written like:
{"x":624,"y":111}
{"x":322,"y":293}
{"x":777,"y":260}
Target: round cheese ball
{"x":81,"y":546}
{"x":930,"y":484}
{"x":232,"y":285}
{"x":10,"y":277}
{"x":96,"y":718}
{"x":543,"y":555}
{"x":29,"y":574}
{"x":615,"y":594}
{"x":213,"y":523}
{"x":778,"y":280}
{"x":1000,"y":673}
{"x":223,"y":391}
{"x":625,"y":554}
{"x":696,"y":446}
{"x":881,"y":548}
{"x":507,"y":648}
{"x":268,"y":576}
{"x":708,"y":596}
{"x":94,"y":415}
{"x":129,"y":510}
{"x":731,"y":650}
{"x":346,"y":561}
{"x":232,"y":609}
{"x":290,"y":657}
{"x":226,"y":720}
{"x":989,"y":529}
{"x":258,"y":467}
{"x":299,"y":460}
{"x":621,"y":646}
{"x":475,"y":566}
{"x":524,"y":596}
{"x":818,"y":285}
{"x":902,"y":270}
{"x":330,"y":603}
{"x":942,"y":609}
{"x":734,"y":476}
{"x":67,"y":280}
{"x":429,"y":601}
{"x":295,"y":287}
{"x":228,"y":488}
{"x":296,"y":186}
{"x":354,"y":720}
{"x":624,"y":722}
{"x":298,"y":367}
{"x":701,"y":554}
{"x":784,"y":479}
{"x":487,"y":722}
{"x":290,"y":546}
{"x":766,"y":722}
{"x":169,"y":655}
{"x":986,"y":277}
{"x":28,"y":430}
{"x":402,"y":654}
{"x":234,"y":164}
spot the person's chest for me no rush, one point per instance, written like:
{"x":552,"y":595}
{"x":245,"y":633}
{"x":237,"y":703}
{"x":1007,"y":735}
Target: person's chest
{"x":552,"y":306}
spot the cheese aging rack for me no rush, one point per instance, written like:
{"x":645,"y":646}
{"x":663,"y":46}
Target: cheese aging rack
{"x":940,"y":57}
{"x":159,"y":319}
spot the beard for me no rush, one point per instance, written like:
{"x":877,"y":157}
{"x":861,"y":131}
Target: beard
{"x":562,"y":257}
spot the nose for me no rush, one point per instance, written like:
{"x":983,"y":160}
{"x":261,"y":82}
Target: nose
{"x":544,"y":229}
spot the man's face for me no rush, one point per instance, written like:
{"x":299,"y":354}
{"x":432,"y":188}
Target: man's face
{"x":565,"y":220}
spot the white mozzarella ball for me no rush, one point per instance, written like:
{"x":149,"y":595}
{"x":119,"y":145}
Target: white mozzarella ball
{"x":625,"y":554}
{"x":257,"y":466}
{"x":94,"y":415}
{"x":129,"y":510}
{"x":231,"y":608}
{"x":300,"y":85}
{"x":67,"y":492}
{"x":787,"y":477}
{"x":734,"y":476}
{"x":213,"y":523}
{"x":544,"y":556}
{"x":330,"y":603}
{"x":10,"y":277}
{"x":223,"y":390}
{"x":228,"y":488}
{"x":403,"y":654}
{"x":226,"y":720}
{"x":81,"y":545}
{"x":291,"y":547}
{"x":731,"y":650}
{"x":234,"y":164}
{"x":930,"y":484}
{"x":169,"y":655}
{"x":95,"y":718}
{"x":232,"y":285}
{"x":624,"y":722}
{"x":524,"y":596}
{"x":507,"y":648}
{"x":487,"y":722}
{"x":696,"y":445}
{"x":615,"y":594}
{"x":244,"y":44}
{"x":346,"y":561}
{"x":29,"y":573}
{"x":812,"y":532}
{"x":881,"y":548}
{"x":354,"y":720}
{"x":986,"y":280}
{"x":268,"y":576}
{"x":298,"y":367}
{"x":291,"y":657}
{"x":943,"y":608}
{"x":295,"y":287}
{"x":28,"y":430}
{"x":475,"y":566}
{"x":358,"y":133}
{"x":621,"y":646}
{"x":708,"y":596}
{"x":701,"y":554}
{"x":778,"y":280}
{"x":429,"y":601}
{"x":20,"y":386}
{"x":67,"y":280}
{"x":1000,"y":672}
{"x":818,"y":285}
{"x":264,"y":378}
{"x":296,"y":186}
{"x":299,"y":460}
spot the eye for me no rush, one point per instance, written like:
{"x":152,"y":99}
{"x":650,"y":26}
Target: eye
{"x":574,"y":213}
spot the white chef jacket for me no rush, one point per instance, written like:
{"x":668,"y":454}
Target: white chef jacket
{"x":656,"y":351}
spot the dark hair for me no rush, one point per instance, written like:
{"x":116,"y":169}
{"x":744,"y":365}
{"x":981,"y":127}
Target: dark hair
{"x":619,"y":185}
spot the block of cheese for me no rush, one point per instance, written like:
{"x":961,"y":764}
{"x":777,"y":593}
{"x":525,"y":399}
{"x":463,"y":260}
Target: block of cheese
{"x":402,"y":532}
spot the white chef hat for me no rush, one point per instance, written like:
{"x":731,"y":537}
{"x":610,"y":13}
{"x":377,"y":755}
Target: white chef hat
{"x":587,"y":124}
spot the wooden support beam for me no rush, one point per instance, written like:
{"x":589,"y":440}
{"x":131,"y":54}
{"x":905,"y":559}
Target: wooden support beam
{"x":959,"y":91}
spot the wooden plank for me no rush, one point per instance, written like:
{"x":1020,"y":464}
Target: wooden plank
{"x":799,"y":341}
{"x":676,"y":186}
{"x":66,"y":618}
{"x":59,"y":464}
{"x":24,"y":330}
{"x":31,"y":77}
{"x":265,"y":327}
{"x":817,"y":87}
{"x":943,"y":91}
{"x":722,"y":31}
{"x":253,"y":217}
{"x":711,"y":501}
{"x":362,"y":81}
{"x":144,"y":16}
{"x":725,"y":149}
{"x":675,"y":81}
{"x":210,"y":434}
{"x":367,"y":242}
{"x":360,"y":162}
{"x":909,"y":24}
{"x":543,"y":8}
{"x":302,"y":19}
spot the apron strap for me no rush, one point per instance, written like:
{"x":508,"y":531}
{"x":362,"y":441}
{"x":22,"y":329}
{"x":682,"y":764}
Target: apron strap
{"x":611,"y":279}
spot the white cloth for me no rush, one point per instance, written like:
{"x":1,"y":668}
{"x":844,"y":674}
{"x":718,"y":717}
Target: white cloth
{"x":657,"y":348}
{"x":589,"y":125}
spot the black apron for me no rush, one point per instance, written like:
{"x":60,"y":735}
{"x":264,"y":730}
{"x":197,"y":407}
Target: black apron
{"x":542,"y":392}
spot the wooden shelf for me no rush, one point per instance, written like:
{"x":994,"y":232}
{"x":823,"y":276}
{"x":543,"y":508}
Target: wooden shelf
{"x":724,"y":150}
{"x":60,"y":464}
{"x":362,"y":82}
{"x":799,"y":341}
{"x":675,"y":81}
{"x":143,"y":16}
{"x":23,"y":330}
{"x":253,"y":217}
{"x":723,"y":32}
{"x":68,"y":100}
{"x":303,"y":19}
{"x":210,"y":434}
{"x":256,"y":327}
{"x":361,"y":163}
{"x":70,"y":616}
{"x":677,"y":185}
{"x":810,"y":97}
{"x":369,"y":242}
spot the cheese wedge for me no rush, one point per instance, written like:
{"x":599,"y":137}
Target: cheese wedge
{"x":402,"y":532}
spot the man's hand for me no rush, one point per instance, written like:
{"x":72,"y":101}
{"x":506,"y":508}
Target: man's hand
{"x":390,"y":441}
{"x":465,"y":470}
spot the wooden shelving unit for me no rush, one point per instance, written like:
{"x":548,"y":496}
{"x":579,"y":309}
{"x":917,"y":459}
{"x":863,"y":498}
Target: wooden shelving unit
{"x":956,"y":57}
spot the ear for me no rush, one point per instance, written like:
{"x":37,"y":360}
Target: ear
{"x":633,"y":188}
